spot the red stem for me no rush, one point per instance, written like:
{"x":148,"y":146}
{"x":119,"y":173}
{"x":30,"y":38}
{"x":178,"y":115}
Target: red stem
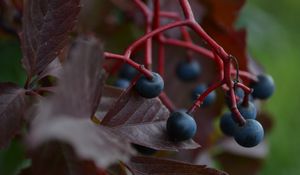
{"x":167,"y":102}
{"x":217,"y":53}
{"x":141,"y":40}
{"x":245,"y":75}
{"x":187,"y":10}
{"x":200,"y":50}
{"x":201,"y":98}
{"x":138,"y":67}
{"x":148,"y":17}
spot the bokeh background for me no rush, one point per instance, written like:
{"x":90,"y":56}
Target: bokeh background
{"x":273,"y":39}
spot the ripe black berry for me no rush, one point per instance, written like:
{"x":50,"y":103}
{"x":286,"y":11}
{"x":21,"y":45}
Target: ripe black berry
{"x":250,"y":134}
{"x":188,"y":70}
{"x":239,"y":93}
{"x":248,"y":111}
{"x":208,"y":100}
{"x":128,"y":72}
{"x":150,"y":88}
{"x":122,"y":83}
{"x":181,"y":126}
{"x":227,"y":125}
{"x":264,"y":88}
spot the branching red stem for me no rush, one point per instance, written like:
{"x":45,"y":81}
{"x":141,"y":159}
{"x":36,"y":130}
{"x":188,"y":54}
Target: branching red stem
{"x":153,"y":30}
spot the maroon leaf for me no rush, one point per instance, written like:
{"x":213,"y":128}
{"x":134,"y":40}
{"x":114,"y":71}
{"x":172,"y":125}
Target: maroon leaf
{"x":65,"y":116}
{"x":59,"y":159}
{"x":234,"y":164}
{"x":219,"y":23}
{"x":46,"y":25}
{"x":224,"y":12}
{"x":89,"y":141}
{"x":13,"y":103}
{"x":153,"y":135}
{"x":80,"y":85}
{"x":142,"y":121}
{"x":109,"y":96}
{"x":131,"y":109}
{"x":53,"y":69}
{"x":149,"y":165}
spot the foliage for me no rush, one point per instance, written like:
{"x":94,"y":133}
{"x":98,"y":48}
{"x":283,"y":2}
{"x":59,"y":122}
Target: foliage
{"x":74,"y":120}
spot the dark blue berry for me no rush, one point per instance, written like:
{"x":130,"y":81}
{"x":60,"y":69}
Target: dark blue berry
{"x":188,"y":70}
{"x":128,"y":72}
{"x":227,"y":124}
{"x":144,"y":150}
{"x":150,"y":88}
{"x":122,"y":83}
{"x":248,"y":111}
{"x":181,"y":126}
{"x":239,"y":93}
{"x":250,"y":134}
{"x":208,"y":100}
{"x":264,"y":88}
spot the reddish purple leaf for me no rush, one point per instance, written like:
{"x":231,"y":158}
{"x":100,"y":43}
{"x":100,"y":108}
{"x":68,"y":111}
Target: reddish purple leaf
{"x":59,"y":159}
{"x":223,"y":12}
{"x":13,"y":104}
{"x":53,"y":69}
{"x":142,"y":121}
{"x":109,"y":96}
{"x":89,"y":141}
{"x":131,"y":109}
{"x":65,"y":116}
{"x":80,"y":85}
{"x":234,"y":164}
{"x":46,"y":25}
{"x":151,"y":165}
{"x":153,"y":135}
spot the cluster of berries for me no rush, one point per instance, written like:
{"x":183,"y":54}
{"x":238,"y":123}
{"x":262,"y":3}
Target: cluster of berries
{"x":182,"y":126}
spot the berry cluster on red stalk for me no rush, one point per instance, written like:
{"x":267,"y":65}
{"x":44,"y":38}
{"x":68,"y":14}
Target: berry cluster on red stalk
{"x":226,"y":63}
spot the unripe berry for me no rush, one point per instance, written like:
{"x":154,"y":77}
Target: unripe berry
{"x":181,"y":126}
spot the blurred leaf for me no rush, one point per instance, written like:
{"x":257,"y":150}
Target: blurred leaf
{"x":235,"y":164}
{"x":224,"y":12}
{"x":89,"y":141}
{"x":80,"y":85}
{"x":149,"y":165}
{"x":13,"y":104}
{"x":59,"y":159}
{"x":46,"y":25}
{"x":53,"y":69}
{"x":65,"y":116}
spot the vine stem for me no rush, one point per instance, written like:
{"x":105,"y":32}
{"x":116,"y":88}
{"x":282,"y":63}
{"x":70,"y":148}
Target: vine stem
{"x":148,"y":18}
{"x":137,"y":66}
{"x":217,"y":53}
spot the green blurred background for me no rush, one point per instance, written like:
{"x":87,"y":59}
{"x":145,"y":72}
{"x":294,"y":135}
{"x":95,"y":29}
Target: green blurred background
{"x":273,"y":40}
